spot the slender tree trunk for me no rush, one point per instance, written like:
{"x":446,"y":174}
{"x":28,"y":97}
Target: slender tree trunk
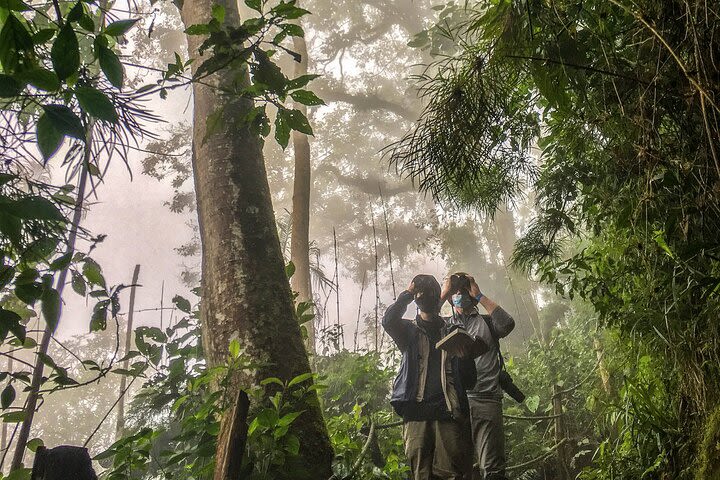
{"x":120,"y":425}
{"x":245,"y":293}
{"x":602,"y":368}
{"x":522,"y":286}
{"x":300,"y":236}
{"x":37,"y":375}
{"x":561,"y":435}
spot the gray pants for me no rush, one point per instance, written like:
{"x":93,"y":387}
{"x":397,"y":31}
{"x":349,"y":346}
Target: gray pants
{"x":438,"y":449}
{"x":488,"y":438}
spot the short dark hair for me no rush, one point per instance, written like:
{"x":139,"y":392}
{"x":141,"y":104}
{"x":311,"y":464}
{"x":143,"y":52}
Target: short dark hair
{"x":427,"y":293}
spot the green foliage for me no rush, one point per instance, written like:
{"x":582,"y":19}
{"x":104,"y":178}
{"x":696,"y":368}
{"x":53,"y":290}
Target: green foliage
{"x":617,"y":98}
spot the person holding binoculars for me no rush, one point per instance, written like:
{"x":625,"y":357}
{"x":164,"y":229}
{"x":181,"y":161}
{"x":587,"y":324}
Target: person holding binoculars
{"x":485,"y":397}
{"x":429,"y":390}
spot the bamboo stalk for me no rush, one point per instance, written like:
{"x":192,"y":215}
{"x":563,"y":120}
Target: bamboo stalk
{"x":357,"y":324}
{"x":377,"y":286}
{"x":120,"y":425}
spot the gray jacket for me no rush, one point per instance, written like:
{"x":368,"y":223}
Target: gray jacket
{"x":487,"y":365}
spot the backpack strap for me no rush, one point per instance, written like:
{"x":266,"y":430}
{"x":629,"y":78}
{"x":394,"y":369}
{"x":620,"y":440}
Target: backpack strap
{"x":496,"y":340}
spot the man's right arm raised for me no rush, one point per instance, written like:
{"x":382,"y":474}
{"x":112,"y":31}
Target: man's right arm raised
{"x":397,"y":327}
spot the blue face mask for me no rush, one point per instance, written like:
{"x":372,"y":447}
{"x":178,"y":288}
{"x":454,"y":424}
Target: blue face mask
{"x":461,"y":300}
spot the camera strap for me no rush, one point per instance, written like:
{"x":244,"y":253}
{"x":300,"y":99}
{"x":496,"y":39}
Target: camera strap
{"x":496,"y":340}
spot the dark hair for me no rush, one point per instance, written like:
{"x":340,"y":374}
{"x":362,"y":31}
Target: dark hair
{"x":427,"y":293}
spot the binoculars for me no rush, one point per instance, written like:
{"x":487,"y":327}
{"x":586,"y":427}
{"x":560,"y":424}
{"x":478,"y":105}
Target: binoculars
{"x":459,"y":282}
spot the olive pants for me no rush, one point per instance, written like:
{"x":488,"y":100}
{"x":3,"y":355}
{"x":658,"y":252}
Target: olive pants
{"x":488,"y":438}
{"x":438,"y":449}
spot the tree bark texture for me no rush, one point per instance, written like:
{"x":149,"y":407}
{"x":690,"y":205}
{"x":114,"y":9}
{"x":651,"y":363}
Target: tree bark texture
{"x":300,"y":236}
{"x":245,"y":293}
{"x":120,"y":424}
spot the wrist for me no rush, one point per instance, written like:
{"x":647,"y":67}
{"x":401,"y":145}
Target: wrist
{"x":479,"y":296}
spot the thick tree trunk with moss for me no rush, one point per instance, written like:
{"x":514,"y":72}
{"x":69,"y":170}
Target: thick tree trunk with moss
{"x":300,"y":238}
{"x":245,"y":293}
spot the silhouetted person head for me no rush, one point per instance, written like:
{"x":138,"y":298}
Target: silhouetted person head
{"x":427,"y":293}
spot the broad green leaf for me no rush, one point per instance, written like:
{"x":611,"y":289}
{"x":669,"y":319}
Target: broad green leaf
{"x":111,"y":66}
{"x":78,"y":283}
{"x":254,"y":4}
{"x":61,"y":262}
{"x":93,"y":274}
{"x":51,"y":304}
{"x":65,"y":52}
{"x":33,"y":444}
{"x":297,"y":121}
{"x":198,"y":29}
{"x":43,"y":36}
{"x":65,"y":121}
{"x":306,"y":97}
{"x":293,"y":30}
{"x":267,"y":417}
{"x":288,"y":418}
{"x":9,"y":87}
{"x":95,"y":103}
{"x":267,"y":72}
{"x":290,"y":269}
{"x":7,"y":397}
{"x":16,"y":5}
{"x":14,"y":38}
{"x":182,"y":303}
{"x":300,"y":378}
{"x":289,"y":11}
{"x":11,"y":321}
{"x":87,"y":23}
{"x":13,"y":417}
{"x":121,"y":27}
{"x":282,"y":128}
{"x":7,"y":273}
{"x":234,"y":348}
{"x":36,"y":208}
{"x":48,"y":138}
{"x":218,"y":13}
{"x":301,"y":81}
{"x":41,"y":79}
{"x":98,"y":321}
{"x":75,"y":13}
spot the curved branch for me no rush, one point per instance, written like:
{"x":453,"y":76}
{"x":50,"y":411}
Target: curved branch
{"x":366,"y":102}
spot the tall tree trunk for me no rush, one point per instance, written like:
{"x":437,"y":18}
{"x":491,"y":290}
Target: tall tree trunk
{"x":245,"y":293}
{"x":522,"y":286}
{"x":300,"y":237}
{"x":120,"y":425}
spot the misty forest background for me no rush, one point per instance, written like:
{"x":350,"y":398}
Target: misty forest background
{"x":168,"y":166}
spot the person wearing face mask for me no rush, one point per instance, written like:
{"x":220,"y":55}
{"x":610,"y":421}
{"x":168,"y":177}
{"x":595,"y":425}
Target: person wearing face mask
{"x":429,"y":390}
{"x":485,"y":398}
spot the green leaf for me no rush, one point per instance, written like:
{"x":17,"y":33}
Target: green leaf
{"x":282,"y":128}
{"x":76,"y":12}
{"x":78,"y":283}
{"x":267,"y":418}
{"x":7,"y":396}
{"x":9,"y":87}
{"x":33,"y":444}
{"x":290,"y":269}
{"x":121,"y":27}
{"x":61,"y":262}
{"x":289,"y":11}
{"x":41,"y":79}
{"x":13,"y":417}
{"x":297,"y":121}
{"x":95,"y":103}
{"x":7,"y":273}
{"x":65,"y":121}
{"x":87,"y":23}
{"x":293,"y":29}
{"x":300,"y":378}
{"x":51,"y":305}
{"x":218,"y":13}
{"x":267,"y":73}
{"x":48,"y":138}
{"x":301,"y":81}
{"x":198,"y":29}
{"x":111,"y":66}
{"x":98,"y":321}
{"x":275,"y":380}
{"x":306,"y":97}
{"x":36,"y":208}
{"x":234,"y":348}
{"x":93,"y":274}
{"x":43,"y":36}
{"x":288,"y":418}
{"x":65,"y":52}
{"x":255,"y":5}
{"x":182,"y":303}
{"x":292,"y":444}
{"x":16,"y":5}
{"x":14,"y":38}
